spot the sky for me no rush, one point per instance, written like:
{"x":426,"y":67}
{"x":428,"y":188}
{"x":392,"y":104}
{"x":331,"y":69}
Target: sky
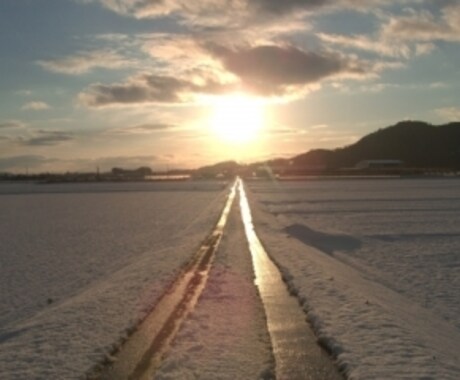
{"x":182,"y":83}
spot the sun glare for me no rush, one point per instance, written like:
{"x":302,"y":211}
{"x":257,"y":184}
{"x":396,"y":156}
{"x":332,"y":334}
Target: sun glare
{"x":237,"y":119}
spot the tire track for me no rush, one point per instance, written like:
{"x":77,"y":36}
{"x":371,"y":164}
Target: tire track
{"x":141,"y":354}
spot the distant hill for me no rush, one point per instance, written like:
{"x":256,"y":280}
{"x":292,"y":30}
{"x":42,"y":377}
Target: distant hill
{"x":226,"y":169}
{"x":417,"y":144}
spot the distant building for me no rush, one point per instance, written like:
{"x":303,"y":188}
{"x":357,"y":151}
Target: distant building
{"x":378,"y":164}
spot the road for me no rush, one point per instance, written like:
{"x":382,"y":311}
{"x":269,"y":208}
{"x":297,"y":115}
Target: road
{"x":254,"y":329}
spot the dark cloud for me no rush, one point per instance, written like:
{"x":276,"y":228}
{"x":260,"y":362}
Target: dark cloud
{"x":268,"y":70}
{"x":153,"y":127}
{"x":147,"y":88}
{"x":143,"y":128}
{"x":47,"y":138}
{"x":280,"y":7}
{"x":271,"y":69}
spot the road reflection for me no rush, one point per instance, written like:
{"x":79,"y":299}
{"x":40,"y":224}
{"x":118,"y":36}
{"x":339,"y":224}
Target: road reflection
{"x":297,"y":354}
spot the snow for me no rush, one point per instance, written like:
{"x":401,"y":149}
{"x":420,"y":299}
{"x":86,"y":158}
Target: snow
{"x":81,"y":264}
{"x":226,"y":335}
{"x":376,"y":266}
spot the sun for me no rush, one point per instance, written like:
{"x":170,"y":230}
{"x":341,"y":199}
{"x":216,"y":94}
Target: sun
{"x":237,"y":119}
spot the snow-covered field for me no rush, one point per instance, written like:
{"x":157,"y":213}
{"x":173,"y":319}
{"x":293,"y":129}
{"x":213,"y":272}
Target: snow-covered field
{"x":376,"y":264}
{"x":80,"y":264}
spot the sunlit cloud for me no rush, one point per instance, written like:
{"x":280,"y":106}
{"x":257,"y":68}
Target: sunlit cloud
{"x":84,"y":62}
{"x":381,"y":87}
{"x":366,"y":43}
{"x":424,"y":48}
{"x":449,"y":113}
{"x":35,"y":106}
{"x":213,"y":62}
{"x":264,"y":70}
{"x":424,"y":26}
{"x":173,"y":53}
{"x":412,"y":33}
{"x":230,"y":13}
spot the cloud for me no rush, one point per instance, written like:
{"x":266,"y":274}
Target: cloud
{"x":424,"y":26}
{"x":176,"y":51}
{"x":11,"y":124}
{"x":363,"y":42}
{"x":411,"y":34}
{"x":148,"y":88}
{"x":228,"y":13}
{"x":35,"y":106}
{"x":278,"y":70}
{"x":147,"y":128}
{"x":151,"y":127}
{"x":380,"y":87}
{"x":449,"y":113}
{"x":46,"y":138}
{"x":424,"y":48}
{"x":204,"y":12}
{"x":84,"y":62}
{"x":263,"y":70}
